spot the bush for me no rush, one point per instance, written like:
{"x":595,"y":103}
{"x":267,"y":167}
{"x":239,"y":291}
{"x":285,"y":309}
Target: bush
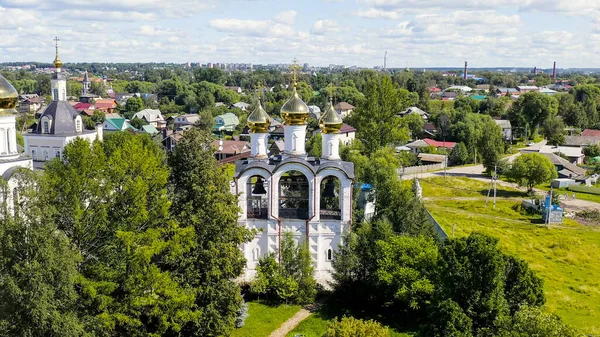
{"x":584,"y":189}
{"x":352,"y":327}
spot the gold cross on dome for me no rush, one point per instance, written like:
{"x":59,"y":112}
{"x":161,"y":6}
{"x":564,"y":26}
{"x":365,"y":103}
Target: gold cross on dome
{"x":294,"y":67}
{"x":56,"y":39}
{"x":331,"y":92}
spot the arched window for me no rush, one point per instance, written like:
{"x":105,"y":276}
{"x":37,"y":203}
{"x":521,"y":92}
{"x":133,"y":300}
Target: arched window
{"x":330,"y":199}
{"x":256,"y":254}
{"x":257,"y":203}
{"x":33,"y":155}
{"x":293,"y":196}
{"x":46,"y":125}
{"x":329,"y":254}
{"x":8,"y":142}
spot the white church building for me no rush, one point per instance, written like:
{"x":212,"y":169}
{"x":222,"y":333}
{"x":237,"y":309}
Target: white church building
{"x":59,"y":124}
{"x":309,"y":197}
{"x":10,"y":158}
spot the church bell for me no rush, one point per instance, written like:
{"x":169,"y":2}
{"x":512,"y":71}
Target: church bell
{"x":329,"y":191}
{"x":259,"y":187}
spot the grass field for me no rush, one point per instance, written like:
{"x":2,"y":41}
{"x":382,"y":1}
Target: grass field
{"x":316,"y":326}
{"x":264,"y":319}
{"x":566,"y":256}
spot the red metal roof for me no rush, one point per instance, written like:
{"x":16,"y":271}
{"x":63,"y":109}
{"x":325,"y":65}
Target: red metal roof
{"x":81,"y":106}
{"x":435,"y":143}
{"x":591,"y":133}
{"x":347,"y":128}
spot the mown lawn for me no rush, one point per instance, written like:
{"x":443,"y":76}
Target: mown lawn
{"x":566,"y":256}
{"x":264,"y":319}
{"x":316,"y":326}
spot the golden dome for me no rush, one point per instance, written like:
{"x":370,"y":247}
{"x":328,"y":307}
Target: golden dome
{"x":259,"y":121}
{"x":8,"y":97}
{"x":294,"y":111}
{"x":330,"y":122}
{"x":57,"y":62}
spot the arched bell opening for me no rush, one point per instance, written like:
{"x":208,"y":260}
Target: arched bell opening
{"x":258,"y":205}
{"x":330,"y":202}
{"x":293,"y":196}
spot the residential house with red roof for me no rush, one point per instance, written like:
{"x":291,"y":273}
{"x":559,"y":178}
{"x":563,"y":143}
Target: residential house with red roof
{"x":106,"y":105}
{"x":591,"y":133}
{"x":418,"y":145}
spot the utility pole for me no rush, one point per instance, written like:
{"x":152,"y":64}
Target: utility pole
{"x":549,"y":210}
{"x":494,"y":183}
{"x":495,"y":179}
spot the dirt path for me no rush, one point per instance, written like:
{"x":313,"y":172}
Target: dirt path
{"x":301,"y":315}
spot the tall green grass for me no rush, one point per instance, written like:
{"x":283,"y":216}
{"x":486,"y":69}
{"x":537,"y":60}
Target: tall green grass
{"x":566,"y":256}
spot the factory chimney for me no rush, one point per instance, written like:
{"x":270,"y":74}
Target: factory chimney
{"x":554,"y":71}
{"x":465,"y":74}
{"x":385,"y":60}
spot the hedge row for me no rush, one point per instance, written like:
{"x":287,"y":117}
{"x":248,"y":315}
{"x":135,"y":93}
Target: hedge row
{"x":584,"y":189}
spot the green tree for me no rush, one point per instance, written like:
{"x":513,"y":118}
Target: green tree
{"x":531,"y":110}
{"x":375,"y":117}
{"x":491,"y":144}
{"x":532,"y":169}
{"x":74,"y":88}
{"x":134,"y":104}
{"x":352,"y":327}
{"x":459,"y":154}
{"x":314,"y":145}
{"x":553,"y":130}
{"x":138,"y":123}
{"x":447,"y":319}
{"x":471,"y":273}
{"x":110,"y":199}
{"x":98,"y":88}
{"x":290,"y":280}
{"x":533,"y":321}
{"x":406,"y":269}
{"x":522,"y":286}
{"x":38,"y":268}
{"x":213,"y":75}
{"x":201,"y":195}
{"x":592,"y":151}
{"x":415,"y":124}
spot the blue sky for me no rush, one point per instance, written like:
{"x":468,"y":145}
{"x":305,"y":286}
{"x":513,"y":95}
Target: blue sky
{"x":415,"y":33}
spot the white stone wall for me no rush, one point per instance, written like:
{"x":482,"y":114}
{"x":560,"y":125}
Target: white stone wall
{"x":47,"y":147}
{"x":294,"y":139}
{"x":323,"y":235}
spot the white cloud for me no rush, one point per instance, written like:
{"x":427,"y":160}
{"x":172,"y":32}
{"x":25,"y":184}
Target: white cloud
{"x":252,"y":27}
{"x":287,"y":17}
{"x":322,"y":27}
{"x":374,"y":13}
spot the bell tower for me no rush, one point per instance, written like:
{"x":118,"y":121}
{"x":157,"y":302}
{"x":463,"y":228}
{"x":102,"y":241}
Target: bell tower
{"x":58,"y":83}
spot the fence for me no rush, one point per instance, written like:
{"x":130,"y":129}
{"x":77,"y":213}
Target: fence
{"x":420,"y":168}
{"x":438,"y":229}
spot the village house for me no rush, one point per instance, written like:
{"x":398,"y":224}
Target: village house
{"x":226,"y":122}
{"x":344,"y":109}
{"x":152,"y":117}
{"x":506,"y":128}
{"x":187,"y":119}
{"x":418,"y":145}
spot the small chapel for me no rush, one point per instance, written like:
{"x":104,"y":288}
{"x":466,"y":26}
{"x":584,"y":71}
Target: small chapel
{"x":292,"y":192}
{"x":59,"y":123}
